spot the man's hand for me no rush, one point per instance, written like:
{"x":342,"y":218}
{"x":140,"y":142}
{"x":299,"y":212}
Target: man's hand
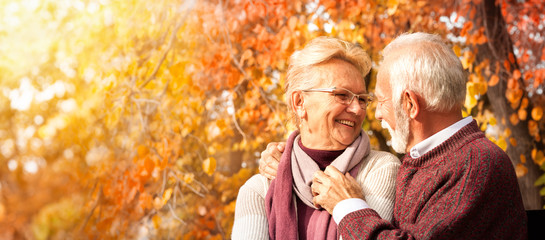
{"x":270,"y":158}
{"x":331,"y":186}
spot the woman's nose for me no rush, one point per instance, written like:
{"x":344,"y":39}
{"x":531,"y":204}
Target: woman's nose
{"x":355,"y":107}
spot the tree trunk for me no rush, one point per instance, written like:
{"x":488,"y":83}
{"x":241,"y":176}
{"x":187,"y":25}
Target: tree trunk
{"x":497,"y":49}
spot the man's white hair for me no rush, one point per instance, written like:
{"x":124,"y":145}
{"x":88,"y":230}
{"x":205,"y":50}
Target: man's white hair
{"x":423,"y":63}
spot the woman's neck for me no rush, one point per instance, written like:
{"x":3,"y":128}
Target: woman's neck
{"x":322,"y":157}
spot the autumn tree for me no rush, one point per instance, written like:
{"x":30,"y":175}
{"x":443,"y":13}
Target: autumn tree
{"x":123,"y":119}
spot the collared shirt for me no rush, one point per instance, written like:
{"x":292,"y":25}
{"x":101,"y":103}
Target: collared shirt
{"x":347,"y":206}
{"x":431,"y":142}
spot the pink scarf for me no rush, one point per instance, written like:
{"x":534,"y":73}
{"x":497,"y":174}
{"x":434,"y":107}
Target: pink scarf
{"x":294,"y":175}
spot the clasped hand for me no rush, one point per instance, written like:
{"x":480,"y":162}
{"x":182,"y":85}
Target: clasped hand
{"x":331,"y":187}
{"x":328,"y":187}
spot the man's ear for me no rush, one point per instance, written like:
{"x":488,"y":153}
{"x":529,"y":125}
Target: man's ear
{"x":297,"y":101}
{"x":411,"y":104}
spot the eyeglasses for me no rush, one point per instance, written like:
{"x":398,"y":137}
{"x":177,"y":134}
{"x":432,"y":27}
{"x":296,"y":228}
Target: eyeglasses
{"x":345,"y":96}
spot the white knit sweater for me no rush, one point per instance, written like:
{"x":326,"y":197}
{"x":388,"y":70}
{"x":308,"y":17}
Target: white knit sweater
{"x":376,"y":176}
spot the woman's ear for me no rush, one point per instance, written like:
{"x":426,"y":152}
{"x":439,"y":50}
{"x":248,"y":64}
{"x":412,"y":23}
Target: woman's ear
{"x":411,"y":104}
{"x":297,"y":101}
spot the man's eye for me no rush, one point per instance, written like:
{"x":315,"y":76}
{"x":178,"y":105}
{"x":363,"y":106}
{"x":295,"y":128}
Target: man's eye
{"x":362,"y":99}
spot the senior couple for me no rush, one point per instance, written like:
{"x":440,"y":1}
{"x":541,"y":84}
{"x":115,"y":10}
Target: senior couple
{"x":452,"y":183}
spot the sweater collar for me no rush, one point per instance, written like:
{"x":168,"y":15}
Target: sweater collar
{"x":466,"y":134}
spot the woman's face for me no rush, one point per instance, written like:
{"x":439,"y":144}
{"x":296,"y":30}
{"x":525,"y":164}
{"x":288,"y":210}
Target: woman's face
{"x":328,"y":124}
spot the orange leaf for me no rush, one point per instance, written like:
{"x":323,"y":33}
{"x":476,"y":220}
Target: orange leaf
{"x":537,"y":113}
{"x":513,"y":142}
{"x":524,"y":103}
{"x":493,"y":80}
{"x":525,"y":57}
{"x":514,"y":119}
{"x":522,"y":158}
{"x":507,"y":65}
{"x":522,"y":114}
{"x":521,"y":170}
{"x":149,"y":165}
{"x":516,"y":74}
{"x":292,"y":23}
{"x":533,"y":128}
{"x":511,"y":58}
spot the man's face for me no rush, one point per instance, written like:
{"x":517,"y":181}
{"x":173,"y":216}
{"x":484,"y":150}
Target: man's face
{"x":393,"y":118}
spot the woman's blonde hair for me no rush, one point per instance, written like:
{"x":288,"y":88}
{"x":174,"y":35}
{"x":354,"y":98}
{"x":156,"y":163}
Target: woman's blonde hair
{"x":320,"y":50}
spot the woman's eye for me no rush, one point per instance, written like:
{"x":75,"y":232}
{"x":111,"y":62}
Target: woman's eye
{"x":342,"y":96}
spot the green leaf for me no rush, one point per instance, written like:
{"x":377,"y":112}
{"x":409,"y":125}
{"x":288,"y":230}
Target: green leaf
{"x":542,"y":192}
{"x":540,"y":181}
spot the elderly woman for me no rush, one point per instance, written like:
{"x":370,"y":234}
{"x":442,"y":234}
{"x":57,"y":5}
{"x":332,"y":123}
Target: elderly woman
{"x":326,"y":94}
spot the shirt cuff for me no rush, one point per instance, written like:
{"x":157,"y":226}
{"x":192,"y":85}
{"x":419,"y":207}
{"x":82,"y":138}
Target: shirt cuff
{"x":347,"y":206}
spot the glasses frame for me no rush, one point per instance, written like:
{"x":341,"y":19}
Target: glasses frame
{"x":367,"y":97}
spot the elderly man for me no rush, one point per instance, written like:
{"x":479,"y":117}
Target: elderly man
{"x":453,"y":182}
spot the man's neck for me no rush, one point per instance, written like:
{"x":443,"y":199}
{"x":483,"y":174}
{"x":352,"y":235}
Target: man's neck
{"x":429,"y":123}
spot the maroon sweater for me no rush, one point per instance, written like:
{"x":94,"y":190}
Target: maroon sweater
{"x":465,"y":188}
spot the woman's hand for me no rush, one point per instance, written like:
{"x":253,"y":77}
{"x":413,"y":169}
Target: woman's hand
{"x":331,"y":187}
{"x":270,"y":158}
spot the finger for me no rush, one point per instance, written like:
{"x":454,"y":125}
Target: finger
{"x":319,"y":176}
{"x":315,"y":202}
{"x":275,"y":153}
{"x":281,"y":146}
{"x":268,"y":172}
{"x":349,"y":176}
{"x":314,"y":188}
{"x":272,"y":145}
{"x":333,"y":172}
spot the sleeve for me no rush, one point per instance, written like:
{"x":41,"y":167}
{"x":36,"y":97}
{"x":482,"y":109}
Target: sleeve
{"x":378,"y":183}
{"x":473,"y":198}
{"x":250,"y":216}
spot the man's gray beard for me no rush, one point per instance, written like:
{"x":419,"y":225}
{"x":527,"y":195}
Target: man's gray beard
{"x":400,"y":136}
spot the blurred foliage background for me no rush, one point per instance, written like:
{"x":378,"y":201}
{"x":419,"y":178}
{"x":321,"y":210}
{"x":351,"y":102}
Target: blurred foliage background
{"x":133,"y":119}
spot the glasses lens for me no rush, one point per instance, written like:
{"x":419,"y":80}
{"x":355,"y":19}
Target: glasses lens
{"x":342,"y":96}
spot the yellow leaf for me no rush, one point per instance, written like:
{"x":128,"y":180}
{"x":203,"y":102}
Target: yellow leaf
{"x":188,"y":178}
{"x":209,"y":166}
{"x":166,"y":196}
{"x":221,"y":124}
{"x":156,"y":221}
{"x":521,"y":170}
{"x":470,"y":102}
{"x":538,"y":157}
{"x":537,"y":113}
{"x":492,"y":121}
{"x":502,"y":143}
{"x":456,"y":48}
{"x":142,"y":150}
{"x":484,"y":127}
{"x":392,"y":7}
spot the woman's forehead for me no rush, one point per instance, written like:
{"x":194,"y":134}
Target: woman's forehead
{"x":340,"y":74}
